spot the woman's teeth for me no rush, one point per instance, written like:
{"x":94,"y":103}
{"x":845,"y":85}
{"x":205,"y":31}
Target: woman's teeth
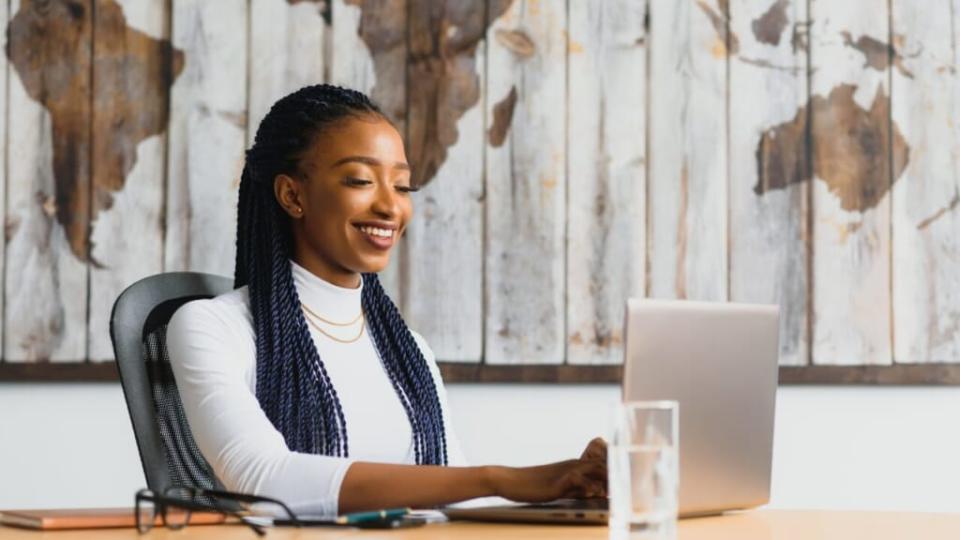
{"x":374,"y":231}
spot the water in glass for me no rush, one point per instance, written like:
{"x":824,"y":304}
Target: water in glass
{"x":643,"y":472}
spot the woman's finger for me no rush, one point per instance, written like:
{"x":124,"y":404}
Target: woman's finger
{"x":596,"y":449}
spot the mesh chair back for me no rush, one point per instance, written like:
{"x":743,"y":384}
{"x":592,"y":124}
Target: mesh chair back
{"x":138,"y":327}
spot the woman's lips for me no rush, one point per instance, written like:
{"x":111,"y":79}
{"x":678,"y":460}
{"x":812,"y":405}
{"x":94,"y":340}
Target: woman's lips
{"x":380,"y":242}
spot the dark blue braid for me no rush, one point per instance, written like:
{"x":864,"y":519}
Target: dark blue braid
{"x":377,"y":332}
{"x":293,"y":386}
{"x":417,"y":385}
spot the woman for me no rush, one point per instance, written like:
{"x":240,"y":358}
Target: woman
{"x":304,"y":383}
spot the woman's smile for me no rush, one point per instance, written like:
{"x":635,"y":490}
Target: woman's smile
{"x":381,"y":235}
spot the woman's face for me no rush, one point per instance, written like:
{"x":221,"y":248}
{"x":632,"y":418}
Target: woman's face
{"x":352,"y":201}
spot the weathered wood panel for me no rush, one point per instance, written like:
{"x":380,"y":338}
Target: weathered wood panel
{"x":4,"y":84}
{"x":133,"y":67}
{"x":207,"y":135}
{"x":287,"y":51}
{"x":370,"y":55}
{"x":926,"y":219}
{"x":445,"y":141}
{"x":48,"y":182}
{"x":768,"y":214}
{"x":687,"y":182}
{"x":853,"y":141}
{"x":351,"y":63}
{"x":526,"y":184}
{"x":531,"y":267}
{"x":606,"y":188}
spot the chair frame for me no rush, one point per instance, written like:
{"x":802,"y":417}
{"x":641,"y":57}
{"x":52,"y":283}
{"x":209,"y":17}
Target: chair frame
{"x":139,"y":310}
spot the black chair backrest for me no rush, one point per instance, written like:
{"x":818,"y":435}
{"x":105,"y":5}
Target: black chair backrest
{"x":138,"y":327}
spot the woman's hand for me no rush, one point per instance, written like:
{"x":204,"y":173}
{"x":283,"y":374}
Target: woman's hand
{"x":582,"y":478}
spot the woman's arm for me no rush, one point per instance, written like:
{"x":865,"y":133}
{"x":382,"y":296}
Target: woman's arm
{"x":212,"y":355}
{"x":370,"y":486}
{"x":214,"y":367}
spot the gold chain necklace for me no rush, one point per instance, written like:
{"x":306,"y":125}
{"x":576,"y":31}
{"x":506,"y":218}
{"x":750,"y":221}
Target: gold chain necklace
{"x":335,"y":338}
{"x":331,"y":323}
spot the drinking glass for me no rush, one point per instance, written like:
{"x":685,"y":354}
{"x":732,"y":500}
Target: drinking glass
{"x":643,"y":467}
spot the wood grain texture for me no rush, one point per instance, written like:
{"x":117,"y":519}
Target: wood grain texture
{"x":287,"y":52}
{"x":61,"y":372}
{"x":687,"y":175}
{"x":926,"y":220}
{"x":851,"y":159}
{"x":351,"y":63}
{"x":369,"y":55}
{"x":526,"y":187}
{"x":458,"y":372}
{"x":747,"y":525}
{"x":445,"y":134}
{"x":893,"y":375}
{"x":133,"y":69}
{"x":531,"y":374}
{"x":4,"y":114}
{"x":606,"y":188}
{"x":769,"y":228}
{"x":833,"y":192}
{"x":207,"y":135}
{"x":48,"y":181}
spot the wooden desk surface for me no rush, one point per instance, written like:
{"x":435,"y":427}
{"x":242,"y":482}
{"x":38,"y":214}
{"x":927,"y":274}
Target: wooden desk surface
{"x":756,"y":525}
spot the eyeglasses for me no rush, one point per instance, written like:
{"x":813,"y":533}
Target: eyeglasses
{"x":176,"y":505}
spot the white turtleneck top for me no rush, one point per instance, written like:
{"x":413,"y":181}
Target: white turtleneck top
{"x":213,"y":355}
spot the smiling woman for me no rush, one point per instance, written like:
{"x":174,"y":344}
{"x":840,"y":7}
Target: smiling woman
{"x":309,"y":349}
{"x":349,"y":200}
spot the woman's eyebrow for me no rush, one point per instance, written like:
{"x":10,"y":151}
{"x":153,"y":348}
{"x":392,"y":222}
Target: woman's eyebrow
{"x":369,"y":161}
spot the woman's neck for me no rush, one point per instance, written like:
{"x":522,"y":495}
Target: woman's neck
{"x":331,"y":273}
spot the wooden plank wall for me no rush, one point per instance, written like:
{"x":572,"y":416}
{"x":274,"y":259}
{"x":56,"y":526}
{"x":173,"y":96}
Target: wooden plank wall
{"x":571,"y":154}
{"x":926,"y":224}
{"x":606,"y":192}
{"x":445,"y":134}
{"x":769,"y":256}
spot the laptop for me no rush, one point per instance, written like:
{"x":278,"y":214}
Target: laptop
{"x":719,"y":361}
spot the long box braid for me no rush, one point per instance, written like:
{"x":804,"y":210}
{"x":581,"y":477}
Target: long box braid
{"x":293,"y":386}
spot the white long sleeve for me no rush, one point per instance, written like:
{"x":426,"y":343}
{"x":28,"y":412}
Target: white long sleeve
{"x":213,"y":356}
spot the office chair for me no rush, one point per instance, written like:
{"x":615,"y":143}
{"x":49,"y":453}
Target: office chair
{"x":138,"y":328}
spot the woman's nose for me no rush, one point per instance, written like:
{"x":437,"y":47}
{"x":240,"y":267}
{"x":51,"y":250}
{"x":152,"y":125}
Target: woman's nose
{"x":386,"y":202}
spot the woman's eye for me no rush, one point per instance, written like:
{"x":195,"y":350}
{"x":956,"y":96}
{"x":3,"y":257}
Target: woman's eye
{"x":407,"y":189}
{"x":357,"y":182}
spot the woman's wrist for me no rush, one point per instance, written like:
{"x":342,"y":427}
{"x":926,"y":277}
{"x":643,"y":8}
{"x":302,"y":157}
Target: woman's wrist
{"x":494,"y":478}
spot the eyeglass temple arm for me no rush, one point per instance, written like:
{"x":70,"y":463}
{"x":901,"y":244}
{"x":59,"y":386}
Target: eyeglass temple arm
{"x":245,"y":497}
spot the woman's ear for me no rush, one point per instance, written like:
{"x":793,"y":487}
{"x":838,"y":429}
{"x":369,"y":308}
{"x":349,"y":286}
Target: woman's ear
{"x":288,"y":191}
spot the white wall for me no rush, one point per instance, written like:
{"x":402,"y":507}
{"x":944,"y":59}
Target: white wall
{"x":843,"y":447}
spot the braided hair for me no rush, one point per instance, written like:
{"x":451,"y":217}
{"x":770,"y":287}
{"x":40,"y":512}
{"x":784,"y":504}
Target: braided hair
{"x":293,"y":386}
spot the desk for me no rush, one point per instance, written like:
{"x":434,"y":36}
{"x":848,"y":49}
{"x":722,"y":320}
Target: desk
{"x":756,"y":525}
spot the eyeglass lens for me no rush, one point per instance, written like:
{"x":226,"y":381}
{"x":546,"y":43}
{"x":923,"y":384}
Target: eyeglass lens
{"x":146,"y":511}
{"x":175,"y":517}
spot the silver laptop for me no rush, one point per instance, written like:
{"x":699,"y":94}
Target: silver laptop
{"x":719,"y":361}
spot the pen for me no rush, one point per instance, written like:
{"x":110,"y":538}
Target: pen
{"x":376,"y":515}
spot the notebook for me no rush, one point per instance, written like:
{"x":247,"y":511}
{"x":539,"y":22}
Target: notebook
{"x":88,"y":518}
